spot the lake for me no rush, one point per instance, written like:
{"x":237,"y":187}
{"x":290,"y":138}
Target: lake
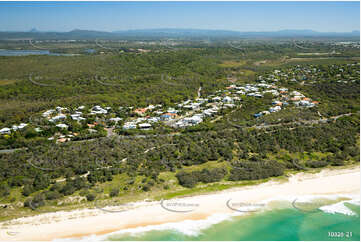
{"x":30,"y":52}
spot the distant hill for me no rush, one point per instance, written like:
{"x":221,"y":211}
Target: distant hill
{"x":33,"y":30}
{"x":78,"y":34}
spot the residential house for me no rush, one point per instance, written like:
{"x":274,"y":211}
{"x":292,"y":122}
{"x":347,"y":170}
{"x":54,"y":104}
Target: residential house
{"x":227,"y":99}
{"x":145,"y":126}
{"x":62,"y":126}
{"x":274,"y":109}
{"x":140,"y":111}
{"x":129,"y":125}
{"x":168,"y":116}
{"x":58,"y":118}
{"x":5,"y":131}
{"x":116,"y":119}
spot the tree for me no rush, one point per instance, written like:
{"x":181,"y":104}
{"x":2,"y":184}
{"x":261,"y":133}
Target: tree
{"x":186,"y":179}
{"x":41,"y":181}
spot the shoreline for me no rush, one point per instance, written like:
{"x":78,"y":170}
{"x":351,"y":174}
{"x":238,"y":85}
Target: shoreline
{"x":87,"y":222}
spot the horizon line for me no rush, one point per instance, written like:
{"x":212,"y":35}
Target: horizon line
{"x":35,"y":30}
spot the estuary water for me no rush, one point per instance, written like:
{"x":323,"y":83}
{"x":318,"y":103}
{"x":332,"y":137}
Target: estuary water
{"x":29,"y":52}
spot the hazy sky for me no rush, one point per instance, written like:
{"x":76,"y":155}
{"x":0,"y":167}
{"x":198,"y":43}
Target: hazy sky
{"x":240,"y":16}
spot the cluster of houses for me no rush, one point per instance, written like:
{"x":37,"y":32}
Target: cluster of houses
{"x":177,"y":116}
{"x":15,"y":128}
{"x":193,"y":111}
{"x":187,"y":113}
{"x":284,"y":98}
{"x":354,"y":44}
{"x":60,"y":114}
{"x":184,"y":114}
{"x":311,"y":73}
{"x":301,"y":74}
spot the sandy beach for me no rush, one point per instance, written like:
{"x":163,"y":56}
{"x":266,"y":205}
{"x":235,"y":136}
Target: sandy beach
{"x":100,"y":221}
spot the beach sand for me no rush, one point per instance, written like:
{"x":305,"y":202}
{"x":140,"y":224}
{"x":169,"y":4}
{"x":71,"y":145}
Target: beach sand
{"x":86,"y":222}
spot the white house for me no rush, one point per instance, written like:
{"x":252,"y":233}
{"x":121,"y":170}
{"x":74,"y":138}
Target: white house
{"x":145,"y":126}
{"x":48,"y":113}
{"x":5,"y":131}
{"x":153,"y":119}
{"x":193,"y":120}
{"x":116,"y":119}
{"x":62,"y":126}
{"x":129,"y":125}
{"x":216,"y":99}
{"x":77,"y":117}
{"x":20,"y":126}
{"x":57,"y":118}
{"x":59,"y":109}
{"x":227,"y":99}
{"x":275,"y":109}
{"x":98,"y":110}
{"x":306,"y":103}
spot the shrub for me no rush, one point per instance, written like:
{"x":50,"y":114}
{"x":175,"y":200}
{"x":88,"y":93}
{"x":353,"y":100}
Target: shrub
{"x":90,"y":197}
{"x":52,"y":195}
{"x":146,"y":188}
{"x":83,"y":193}
{"x":114,"y":192}
{"x":316,"y":164}
{"x":35,"y":202}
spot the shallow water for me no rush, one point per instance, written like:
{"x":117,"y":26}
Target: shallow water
{"x":29,"y":52}
{"x":278,"y":224}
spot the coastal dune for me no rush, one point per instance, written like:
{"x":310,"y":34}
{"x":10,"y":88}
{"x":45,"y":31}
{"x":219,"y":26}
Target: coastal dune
{"x":88,"y":222}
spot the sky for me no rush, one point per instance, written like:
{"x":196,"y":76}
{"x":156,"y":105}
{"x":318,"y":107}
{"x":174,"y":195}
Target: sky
{"x":238,"y":16}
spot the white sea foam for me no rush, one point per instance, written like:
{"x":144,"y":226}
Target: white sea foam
{"x":338,"y":208}
{"x":311,"y":198}
{"x":187,"y":227}
{"x":195,"y":227}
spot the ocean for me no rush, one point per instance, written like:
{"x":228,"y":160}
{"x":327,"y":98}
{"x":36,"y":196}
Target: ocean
{"x":338,"y":221}
{"x":319,"y":219}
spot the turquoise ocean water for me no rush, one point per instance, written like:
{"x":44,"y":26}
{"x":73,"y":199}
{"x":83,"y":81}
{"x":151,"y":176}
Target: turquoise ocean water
{"x":280,"y":224}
